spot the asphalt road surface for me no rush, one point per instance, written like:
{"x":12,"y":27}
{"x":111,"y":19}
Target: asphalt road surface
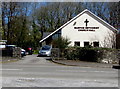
{"x":33,"y":71}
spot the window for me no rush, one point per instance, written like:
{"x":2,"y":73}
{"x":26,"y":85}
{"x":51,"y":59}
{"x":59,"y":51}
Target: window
{"x":86,"y":44}
{"x":76,"y":43}
{"x":96,"y":44}
{"x":56,"y":35}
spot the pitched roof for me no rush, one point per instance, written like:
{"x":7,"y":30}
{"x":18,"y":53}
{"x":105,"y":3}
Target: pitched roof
{"x":46,"y":34}
{"x":85,"y":11}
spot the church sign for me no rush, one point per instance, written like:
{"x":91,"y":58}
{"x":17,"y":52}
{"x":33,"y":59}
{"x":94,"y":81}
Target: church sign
{"x":86,"y":28}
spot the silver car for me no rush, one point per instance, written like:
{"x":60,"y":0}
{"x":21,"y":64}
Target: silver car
{"x":45,"y":51}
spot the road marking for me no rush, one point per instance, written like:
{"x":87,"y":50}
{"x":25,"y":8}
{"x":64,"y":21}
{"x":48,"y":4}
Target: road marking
{"x":10,"y":69}
{"x":86,"y":71}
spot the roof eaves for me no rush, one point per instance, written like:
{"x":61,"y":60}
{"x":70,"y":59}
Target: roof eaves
{"x":102,"y":20}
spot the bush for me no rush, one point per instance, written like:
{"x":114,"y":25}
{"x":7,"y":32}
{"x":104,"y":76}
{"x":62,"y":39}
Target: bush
{"x":61,"y":43}
{"x":35,"y":51}
{"x":86,"y":54}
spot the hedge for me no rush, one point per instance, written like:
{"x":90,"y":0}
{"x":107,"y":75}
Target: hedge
{"x":89,"y":54}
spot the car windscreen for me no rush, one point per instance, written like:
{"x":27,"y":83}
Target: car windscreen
{"x":45,"y":47}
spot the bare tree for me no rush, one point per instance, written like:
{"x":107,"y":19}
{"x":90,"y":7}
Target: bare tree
{"x":114,"y":14}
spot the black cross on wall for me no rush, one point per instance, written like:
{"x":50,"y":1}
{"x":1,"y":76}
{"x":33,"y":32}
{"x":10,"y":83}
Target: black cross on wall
{"x":86,"y":21}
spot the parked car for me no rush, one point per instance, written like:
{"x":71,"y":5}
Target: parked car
{"x":8,"y":50}
{"x":23,"y":52}
{"x":10,"y":47}
{"x":29,"y":50}
{"x":45,"y":51}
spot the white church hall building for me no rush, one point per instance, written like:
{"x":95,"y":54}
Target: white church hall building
{"x":85,"y":29}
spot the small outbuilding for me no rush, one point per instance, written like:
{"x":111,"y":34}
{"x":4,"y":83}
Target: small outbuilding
{"x":85,"y":29}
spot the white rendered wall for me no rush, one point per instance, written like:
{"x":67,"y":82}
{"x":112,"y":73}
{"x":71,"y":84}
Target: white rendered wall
{"x":103,"y":35}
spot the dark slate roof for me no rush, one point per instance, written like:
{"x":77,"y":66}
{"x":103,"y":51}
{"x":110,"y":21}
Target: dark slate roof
{"x":46,"y":34}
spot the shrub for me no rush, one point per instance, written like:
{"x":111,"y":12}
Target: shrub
{"x":87,"y":54}
{"x":36,"y":51}
{"x":61,"y":43}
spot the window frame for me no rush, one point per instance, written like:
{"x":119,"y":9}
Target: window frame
{"x":76,"y":43}
{"x":86,"y":42}
{"x":95,"y":42}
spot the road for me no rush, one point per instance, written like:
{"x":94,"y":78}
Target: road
{"x":33,"y":71}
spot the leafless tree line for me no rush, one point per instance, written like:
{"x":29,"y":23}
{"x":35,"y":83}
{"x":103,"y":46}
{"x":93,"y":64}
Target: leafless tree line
{"x":23,"y":23}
